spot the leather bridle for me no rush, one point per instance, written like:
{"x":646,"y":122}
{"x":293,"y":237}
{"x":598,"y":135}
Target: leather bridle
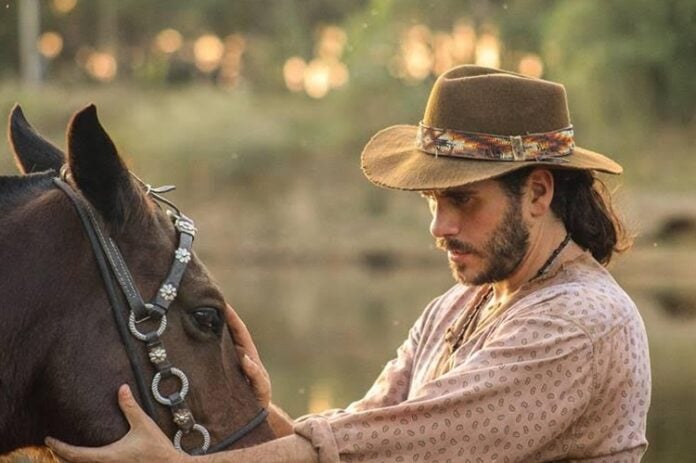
{"x":116,"y":276}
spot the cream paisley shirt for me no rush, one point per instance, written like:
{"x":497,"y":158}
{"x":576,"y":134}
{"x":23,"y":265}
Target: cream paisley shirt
{"x":562,"y":374}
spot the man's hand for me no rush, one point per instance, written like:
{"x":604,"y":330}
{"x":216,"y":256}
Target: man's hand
{"x":280,"y":422}
{"x":249,"y":358}
{"x":144,"y":442}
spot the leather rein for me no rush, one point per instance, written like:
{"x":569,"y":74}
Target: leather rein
{"x":125,"y":298}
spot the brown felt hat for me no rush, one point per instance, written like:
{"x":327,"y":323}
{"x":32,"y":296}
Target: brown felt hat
{"x":479,"y":123}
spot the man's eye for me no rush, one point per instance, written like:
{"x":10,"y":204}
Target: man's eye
{"x":208,"y":320}
{"x":460,"y":200}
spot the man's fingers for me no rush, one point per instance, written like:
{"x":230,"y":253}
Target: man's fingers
{"x":259,"y":367}
{"x":74,"y":454}
{"x":130,"y":408}
{"x":249,"y":357}
{"x":254,"y":371}
{"x":251,"y":368}
{"x":241,"y":353}
{"x":143,"y":441}
{"x":259,"y":379}
{"x":240,"y":333}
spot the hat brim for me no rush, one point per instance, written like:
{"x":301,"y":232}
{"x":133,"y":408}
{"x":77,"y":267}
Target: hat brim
{"x":391,"y":160}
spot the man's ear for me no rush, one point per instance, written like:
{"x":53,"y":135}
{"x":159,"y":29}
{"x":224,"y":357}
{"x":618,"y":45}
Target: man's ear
{"x":539,"y":191}
{"x":96,"y":167}
{"x":32,"y":152}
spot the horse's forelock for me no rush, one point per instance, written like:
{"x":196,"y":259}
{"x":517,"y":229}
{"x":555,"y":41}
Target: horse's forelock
{"x":135,"y":214}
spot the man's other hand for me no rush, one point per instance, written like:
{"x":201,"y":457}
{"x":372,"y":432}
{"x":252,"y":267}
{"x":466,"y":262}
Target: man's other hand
{"x":249,"y":358}
{"x":144,"y":443}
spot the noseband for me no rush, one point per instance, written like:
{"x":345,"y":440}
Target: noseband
{"x":115,"y":274}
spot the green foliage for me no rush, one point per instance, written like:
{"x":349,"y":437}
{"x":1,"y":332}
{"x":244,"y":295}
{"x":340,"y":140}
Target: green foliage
{"x":8,"y":39}
{"x":637,"y":54}
{"x":522,"y":23}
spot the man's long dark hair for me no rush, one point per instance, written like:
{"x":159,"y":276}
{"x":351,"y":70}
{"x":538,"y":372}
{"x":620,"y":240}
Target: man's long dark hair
{"x":583,"y":202}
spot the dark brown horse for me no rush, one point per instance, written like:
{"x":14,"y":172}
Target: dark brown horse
{"x":61,"y":356}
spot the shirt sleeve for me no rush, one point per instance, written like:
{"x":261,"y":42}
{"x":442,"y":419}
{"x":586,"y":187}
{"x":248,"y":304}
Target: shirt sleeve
{"x":530,"y":382}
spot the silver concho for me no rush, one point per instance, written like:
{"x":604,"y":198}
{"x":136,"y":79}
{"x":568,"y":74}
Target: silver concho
{"x":185,"y":226}
{"x":183,"y":255}
{"x":158,"y":355}
{"x":183,"y":417}
{"x":168,"y":292}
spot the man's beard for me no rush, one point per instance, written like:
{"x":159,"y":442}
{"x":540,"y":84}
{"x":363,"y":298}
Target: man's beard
{"x":502,"y":253}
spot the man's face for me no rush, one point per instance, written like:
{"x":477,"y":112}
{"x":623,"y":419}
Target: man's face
{"x":481,"y":228}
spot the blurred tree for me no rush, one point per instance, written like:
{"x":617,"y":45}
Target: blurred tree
{"x":29,"y":28}
{"x":633,"y":55}
{"x":522,"y":23}
{"x":107,"y":26}
{"x":9,"y":40}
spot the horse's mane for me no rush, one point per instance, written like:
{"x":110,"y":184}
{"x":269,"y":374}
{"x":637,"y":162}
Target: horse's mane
{"x":13,"y":188}
{"x":132,"y":210}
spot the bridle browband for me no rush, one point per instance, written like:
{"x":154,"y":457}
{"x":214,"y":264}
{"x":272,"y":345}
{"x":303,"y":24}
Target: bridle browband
{"x":115,"y":274}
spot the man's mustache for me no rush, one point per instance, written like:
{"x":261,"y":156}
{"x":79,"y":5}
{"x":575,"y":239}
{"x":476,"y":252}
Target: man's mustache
{"x":451,"y":244}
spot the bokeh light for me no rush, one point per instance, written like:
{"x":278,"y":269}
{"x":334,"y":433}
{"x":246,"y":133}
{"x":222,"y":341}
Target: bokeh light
{"x":464,"y":45}
{"x":418,"y":60}
{"x":488,"y":51}
{"x":63,"y":6}
{"x":418,"y":33}
{"x":102,"y":66}
{"x":325,"y":71}
{"x":443,"y":46}
{"x":332,"y":40}
{"x":531,"y":65}
{"x":424,"y":52}
{"x":208,"y":51}
{"x":293,"y":73}
{"x":168,"y":41}
{"x":235,"y":44}
{"x":231,"y":65}
{"x":50,"y":44}
{"x":338,"y":74}
{"x":416,"y":55}
{"x":317,"y":79}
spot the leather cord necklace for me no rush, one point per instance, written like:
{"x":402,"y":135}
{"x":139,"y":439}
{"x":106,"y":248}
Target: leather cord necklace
{"x":549,"y":262}
{"x":454,"y":337}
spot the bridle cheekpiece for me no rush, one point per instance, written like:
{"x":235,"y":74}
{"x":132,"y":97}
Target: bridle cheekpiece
{"x":115,"y":273}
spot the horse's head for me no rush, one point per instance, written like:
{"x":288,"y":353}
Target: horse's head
{"x":61,"y":355}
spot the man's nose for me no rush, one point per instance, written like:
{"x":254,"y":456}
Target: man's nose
{"x":445,"y":222}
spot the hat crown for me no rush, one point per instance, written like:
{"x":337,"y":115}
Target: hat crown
{"x":486,"y":100}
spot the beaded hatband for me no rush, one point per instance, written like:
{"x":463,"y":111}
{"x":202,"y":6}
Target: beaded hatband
{"x":548,"y":146}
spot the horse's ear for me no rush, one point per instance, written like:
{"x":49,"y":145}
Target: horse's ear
{"x":96,"y":167}
{"x":32,"y":152}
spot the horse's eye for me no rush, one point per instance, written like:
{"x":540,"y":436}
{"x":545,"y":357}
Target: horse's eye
{"x":208,"y":320}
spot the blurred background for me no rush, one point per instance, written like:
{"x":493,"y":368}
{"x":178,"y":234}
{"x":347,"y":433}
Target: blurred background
{"x":258,"y":110}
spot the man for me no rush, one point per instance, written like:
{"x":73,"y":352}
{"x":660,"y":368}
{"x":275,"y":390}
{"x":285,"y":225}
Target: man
{"x":536,"y":354}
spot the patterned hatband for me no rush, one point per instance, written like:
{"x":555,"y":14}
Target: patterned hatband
{"x":548,"y":146}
